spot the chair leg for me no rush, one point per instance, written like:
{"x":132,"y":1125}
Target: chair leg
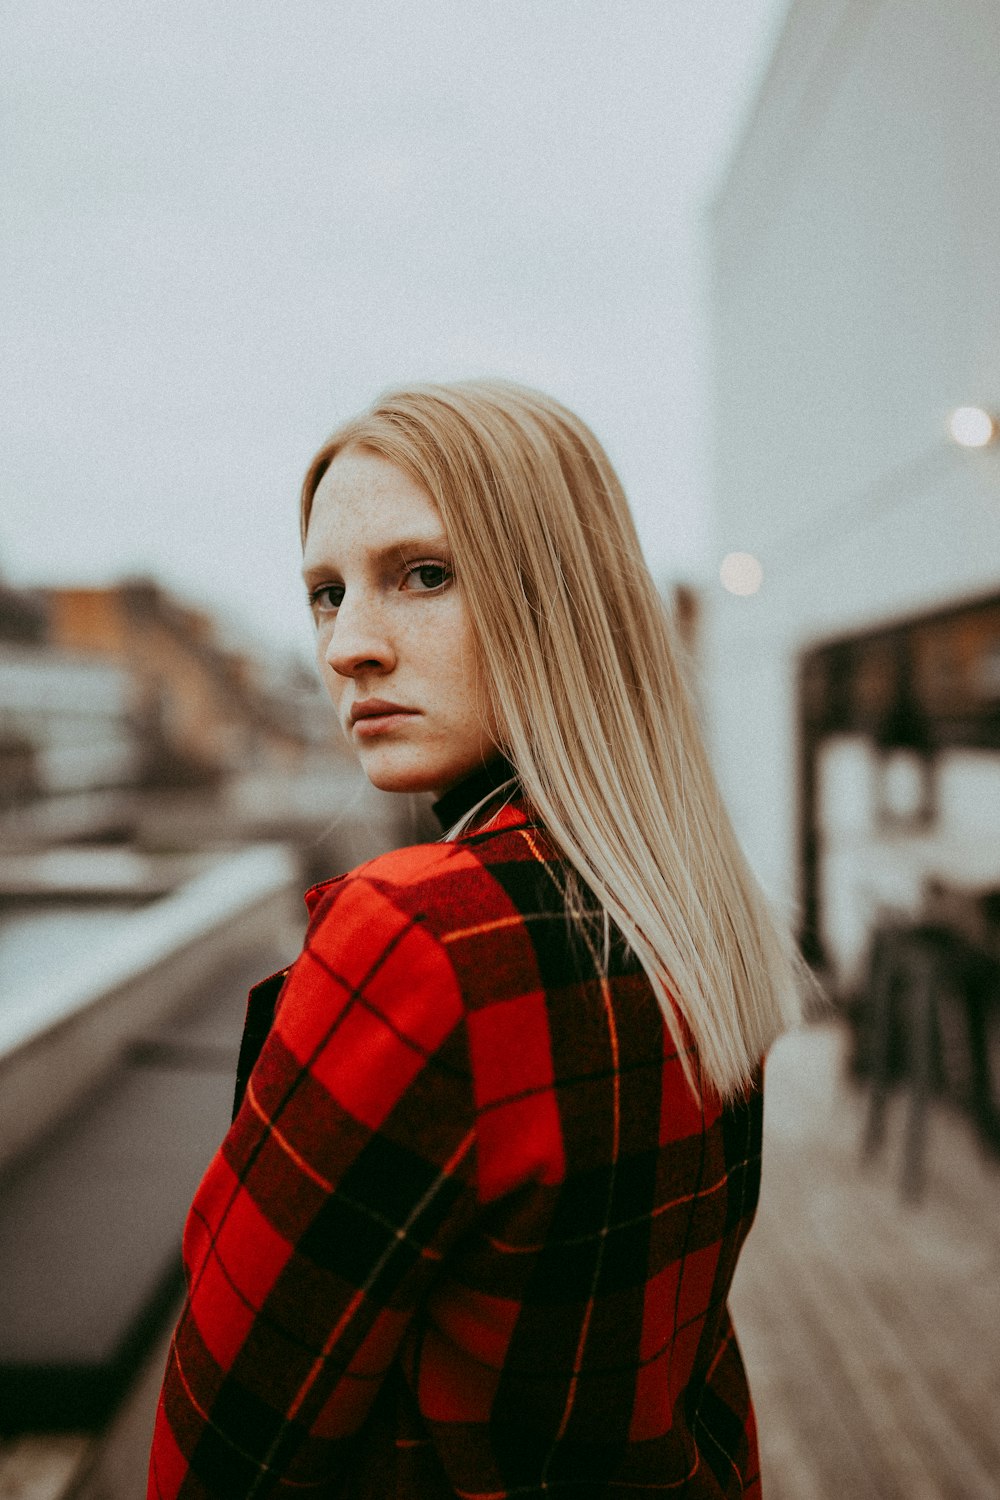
{"x":883,"y":993}
{"x":925,"y":980}
{"x":977,"y":1001}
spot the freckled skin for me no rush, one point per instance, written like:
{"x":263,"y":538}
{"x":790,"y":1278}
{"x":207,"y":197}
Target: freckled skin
{"x":391,"y":623}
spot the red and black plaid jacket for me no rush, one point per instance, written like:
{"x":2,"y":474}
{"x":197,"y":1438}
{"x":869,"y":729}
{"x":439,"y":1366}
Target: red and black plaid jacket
{"x":469,"y":1233}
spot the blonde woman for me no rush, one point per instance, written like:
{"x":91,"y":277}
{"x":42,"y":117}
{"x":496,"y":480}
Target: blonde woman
{"x":497,"y":1143}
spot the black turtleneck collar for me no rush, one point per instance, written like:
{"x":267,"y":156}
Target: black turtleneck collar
{"x":458,"y":799}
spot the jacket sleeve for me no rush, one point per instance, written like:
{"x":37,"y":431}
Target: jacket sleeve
{"x":324,"y":1215}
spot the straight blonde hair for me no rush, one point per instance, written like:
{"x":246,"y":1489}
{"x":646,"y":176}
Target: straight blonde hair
{"x":593,"y":710}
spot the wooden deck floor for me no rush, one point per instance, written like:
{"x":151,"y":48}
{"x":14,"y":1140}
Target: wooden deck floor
{"x":870,"y":1328}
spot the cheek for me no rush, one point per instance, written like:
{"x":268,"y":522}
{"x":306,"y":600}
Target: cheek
{"x":332,"y":681}
{"x":450,"y":647}
{"x":472,"y":683}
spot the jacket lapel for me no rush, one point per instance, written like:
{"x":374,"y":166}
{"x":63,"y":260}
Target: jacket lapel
{"x":261,"y":1005}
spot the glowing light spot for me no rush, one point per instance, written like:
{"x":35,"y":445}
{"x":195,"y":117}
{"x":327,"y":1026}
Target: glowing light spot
{"x":972,"y":427}
{"x":741,"y":573}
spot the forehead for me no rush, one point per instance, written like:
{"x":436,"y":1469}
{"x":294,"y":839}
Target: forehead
{"x":363,"y":500}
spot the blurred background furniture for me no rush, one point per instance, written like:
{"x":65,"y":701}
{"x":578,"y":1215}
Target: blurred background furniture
{"x":926,"y":1016}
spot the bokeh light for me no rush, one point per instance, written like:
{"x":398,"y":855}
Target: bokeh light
{"x":972,"y":426}
{"x":741,"y":573}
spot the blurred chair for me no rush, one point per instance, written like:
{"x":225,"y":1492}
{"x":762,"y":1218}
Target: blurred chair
{"x":921,"y":976}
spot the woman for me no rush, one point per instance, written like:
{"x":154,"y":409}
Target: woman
{"x":473,"y":1228}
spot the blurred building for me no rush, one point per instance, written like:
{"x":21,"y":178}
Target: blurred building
{"x":126,"y":687}
{"x":201,"y":710}
{"x":66,"y":720}
{"x":852,"y":672}
{"x":65,"y":725}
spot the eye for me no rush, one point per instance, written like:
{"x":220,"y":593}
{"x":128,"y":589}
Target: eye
{"x":427,"y":578}
{"x":328,"y":597}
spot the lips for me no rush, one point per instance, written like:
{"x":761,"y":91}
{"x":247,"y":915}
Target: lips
{"x":370,"y":718}
{"x":376,"y":708}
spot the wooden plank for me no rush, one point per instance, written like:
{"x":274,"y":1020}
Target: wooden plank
{"x":919,"y":1420}
{"x":870,"y":1327}
{"x":866,"y":1432}
{"x":931,"y":1316}
{"x":807,"y":1449}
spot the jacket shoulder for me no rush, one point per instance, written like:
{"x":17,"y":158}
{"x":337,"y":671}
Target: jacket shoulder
{"x":483,"y":877}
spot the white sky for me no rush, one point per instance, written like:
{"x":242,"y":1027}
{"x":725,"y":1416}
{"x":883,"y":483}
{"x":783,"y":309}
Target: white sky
{"x":226,"y":226}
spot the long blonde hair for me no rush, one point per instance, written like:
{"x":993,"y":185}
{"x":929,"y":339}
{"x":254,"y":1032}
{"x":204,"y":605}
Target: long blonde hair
{"x":592,"y":706}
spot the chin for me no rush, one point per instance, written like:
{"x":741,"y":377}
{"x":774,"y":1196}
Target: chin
{"x":392,"y":773}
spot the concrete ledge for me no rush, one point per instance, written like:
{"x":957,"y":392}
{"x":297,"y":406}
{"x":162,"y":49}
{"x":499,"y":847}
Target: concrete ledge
{"x":56,"y":1045}
{"x":91,"y":1217}
{"x":95,"y":873}
{"x":43,"y":1466}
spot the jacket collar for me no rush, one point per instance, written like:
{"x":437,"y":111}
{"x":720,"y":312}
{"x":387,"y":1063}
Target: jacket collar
{"x":458,"y":799}
{"x":508,"y":812}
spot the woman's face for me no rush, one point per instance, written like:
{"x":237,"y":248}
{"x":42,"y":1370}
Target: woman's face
{"x":393,"y":637}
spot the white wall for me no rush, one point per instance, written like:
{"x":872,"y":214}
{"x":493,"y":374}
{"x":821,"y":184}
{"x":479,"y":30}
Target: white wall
{"x":855,"y":299}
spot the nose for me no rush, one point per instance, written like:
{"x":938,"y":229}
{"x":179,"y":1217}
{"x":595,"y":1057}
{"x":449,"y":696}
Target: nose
{"x":359,"y":640}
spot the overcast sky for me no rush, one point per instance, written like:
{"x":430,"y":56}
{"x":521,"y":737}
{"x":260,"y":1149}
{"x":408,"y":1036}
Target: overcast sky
{"x":227,"y":226}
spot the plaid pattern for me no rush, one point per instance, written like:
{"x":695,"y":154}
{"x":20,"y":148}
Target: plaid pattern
{"x":469,"y":1234}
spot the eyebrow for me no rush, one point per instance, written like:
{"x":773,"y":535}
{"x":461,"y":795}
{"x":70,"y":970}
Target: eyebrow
{"x":438,"y":543}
